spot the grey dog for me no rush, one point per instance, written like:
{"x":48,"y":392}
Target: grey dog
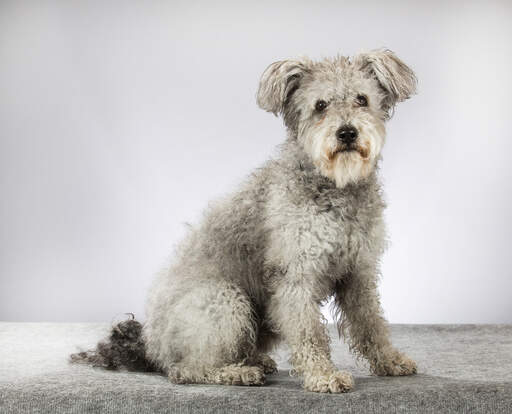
{"x":305,"y":227}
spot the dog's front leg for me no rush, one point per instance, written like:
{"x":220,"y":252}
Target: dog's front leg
{"x":296,"y":315}
{"x":359,"y":312}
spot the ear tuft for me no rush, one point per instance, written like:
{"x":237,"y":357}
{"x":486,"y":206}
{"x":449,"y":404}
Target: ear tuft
{"x":395,"y":77}
{"x":278,"y":83}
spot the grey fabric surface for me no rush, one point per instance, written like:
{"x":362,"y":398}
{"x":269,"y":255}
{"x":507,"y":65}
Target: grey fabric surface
{"x":465,"y":368}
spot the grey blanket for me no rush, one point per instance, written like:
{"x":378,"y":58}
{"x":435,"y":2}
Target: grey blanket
{"x":462,"y":368}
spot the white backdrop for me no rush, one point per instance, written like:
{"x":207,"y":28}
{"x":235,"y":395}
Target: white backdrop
{"x":119,"y":120}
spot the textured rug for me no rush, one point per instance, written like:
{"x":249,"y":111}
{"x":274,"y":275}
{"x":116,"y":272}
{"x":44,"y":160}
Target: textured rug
{"x":462,"y":368}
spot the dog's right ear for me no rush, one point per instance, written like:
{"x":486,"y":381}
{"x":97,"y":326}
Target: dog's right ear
{"x":278,"y":83}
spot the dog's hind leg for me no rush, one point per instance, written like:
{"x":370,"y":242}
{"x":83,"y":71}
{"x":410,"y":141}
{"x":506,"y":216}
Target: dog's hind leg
{"x":213,"y":332}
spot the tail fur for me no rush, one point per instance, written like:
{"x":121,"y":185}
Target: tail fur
{"x":123,"y":349}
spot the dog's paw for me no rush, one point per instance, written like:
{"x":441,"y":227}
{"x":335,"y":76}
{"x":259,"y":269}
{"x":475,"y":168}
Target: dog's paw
{"x":334,"y":382}
{"x":395,"y":364}
{"x":266,"y":363}
{"x":239,"y":375}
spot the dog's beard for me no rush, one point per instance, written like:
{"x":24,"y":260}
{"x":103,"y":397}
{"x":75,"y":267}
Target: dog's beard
{"x":347,"y":167}
{"x":341,"y":163}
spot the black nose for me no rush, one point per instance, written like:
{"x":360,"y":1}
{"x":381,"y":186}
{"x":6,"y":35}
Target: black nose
{"x":347,"y":134}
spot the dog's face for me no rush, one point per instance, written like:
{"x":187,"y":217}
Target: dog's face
{"x":337,"y":108}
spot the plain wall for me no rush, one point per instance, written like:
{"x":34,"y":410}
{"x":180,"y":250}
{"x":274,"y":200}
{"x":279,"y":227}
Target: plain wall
{"x":119,"y":120}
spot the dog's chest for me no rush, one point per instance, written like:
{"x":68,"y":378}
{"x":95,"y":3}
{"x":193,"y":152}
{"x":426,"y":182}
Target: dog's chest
{"x":350,"y":220}
{"x":330,"y":228}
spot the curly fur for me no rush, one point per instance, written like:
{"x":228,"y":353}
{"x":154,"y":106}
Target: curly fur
{"x":124,"y":348}
{"x":303,"y":228}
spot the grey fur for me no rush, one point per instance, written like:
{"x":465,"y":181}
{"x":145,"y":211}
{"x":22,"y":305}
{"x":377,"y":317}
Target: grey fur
{"x":124,"y":348}
{"x":277,"y":81}
{"x":303,"y":228}
{"x":395,"y":77}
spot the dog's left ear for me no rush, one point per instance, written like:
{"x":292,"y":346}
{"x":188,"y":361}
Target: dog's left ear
{"x":396,"y":79}
{"x":279,"y":82}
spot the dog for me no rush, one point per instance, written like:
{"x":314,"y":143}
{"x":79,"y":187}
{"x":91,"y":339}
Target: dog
{"x":305,"y":227}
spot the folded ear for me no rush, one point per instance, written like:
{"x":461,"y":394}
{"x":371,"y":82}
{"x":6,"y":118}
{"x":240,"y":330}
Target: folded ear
{"x":396,"y":79}
{"x":279,"y":82}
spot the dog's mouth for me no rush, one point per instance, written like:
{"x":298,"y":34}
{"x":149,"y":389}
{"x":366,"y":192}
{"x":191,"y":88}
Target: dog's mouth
{"x":362,"y":151}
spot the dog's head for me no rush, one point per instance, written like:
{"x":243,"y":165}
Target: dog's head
{"x":337,"y":108}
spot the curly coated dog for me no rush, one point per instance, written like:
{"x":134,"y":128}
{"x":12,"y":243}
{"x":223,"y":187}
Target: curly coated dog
{"x":305,"y":227}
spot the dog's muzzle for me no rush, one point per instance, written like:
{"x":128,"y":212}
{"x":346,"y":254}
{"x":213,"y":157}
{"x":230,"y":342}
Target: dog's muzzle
{"x":347,"y":134}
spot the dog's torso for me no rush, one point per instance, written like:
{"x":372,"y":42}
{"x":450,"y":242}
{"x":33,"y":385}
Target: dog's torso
{"x":285,"y":211}
{"x":286,"y":223}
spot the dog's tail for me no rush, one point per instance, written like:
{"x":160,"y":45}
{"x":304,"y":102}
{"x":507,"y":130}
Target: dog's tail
{"x":123,"y":349}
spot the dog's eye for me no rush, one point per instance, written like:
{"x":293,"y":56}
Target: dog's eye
{"x":362,"y":100}
{"x":320,"y":105}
